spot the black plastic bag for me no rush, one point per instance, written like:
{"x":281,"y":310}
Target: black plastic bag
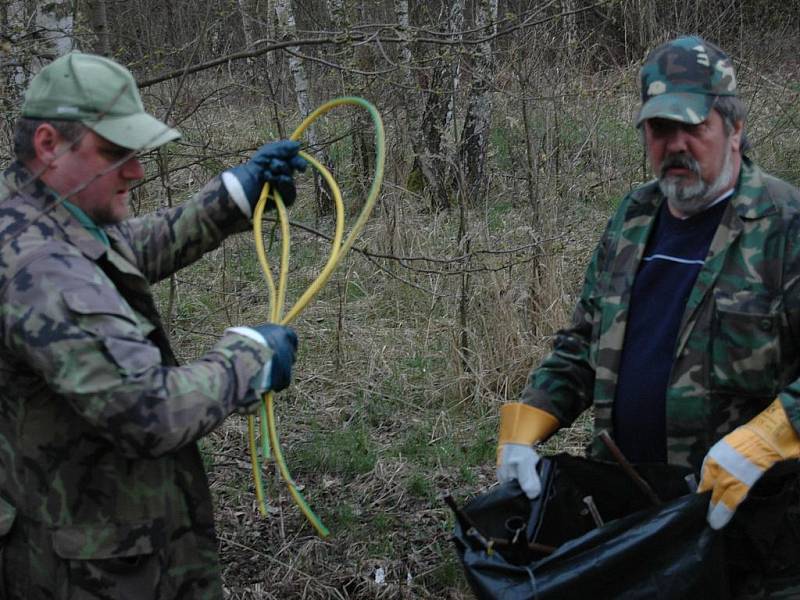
{"x":642,"y":551}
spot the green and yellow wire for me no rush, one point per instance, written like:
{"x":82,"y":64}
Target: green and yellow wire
{"x":277,"y":294}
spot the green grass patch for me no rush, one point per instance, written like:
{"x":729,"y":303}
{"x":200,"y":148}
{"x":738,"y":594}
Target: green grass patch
{"x":344,"y":452}
{"x":497,"y":214}
{"x":381,"y":526}
{"x":455,"y":451}
{"x":448,"y":574}
{"x":344,"y":517}
{"x":420,"y":487}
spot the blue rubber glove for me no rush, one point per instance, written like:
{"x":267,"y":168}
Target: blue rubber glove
{"x":277,"y":372}
{"x":273,"y":163}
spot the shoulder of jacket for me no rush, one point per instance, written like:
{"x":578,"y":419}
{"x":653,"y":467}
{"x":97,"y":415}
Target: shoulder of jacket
{"x":30,"y":248}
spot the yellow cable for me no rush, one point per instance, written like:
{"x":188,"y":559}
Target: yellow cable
{"x":278,"y":294}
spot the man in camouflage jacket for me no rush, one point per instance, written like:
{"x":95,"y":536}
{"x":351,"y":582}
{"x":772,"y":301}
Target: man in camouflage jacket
{"x":726,"y":392}
{"x":102,"y":489}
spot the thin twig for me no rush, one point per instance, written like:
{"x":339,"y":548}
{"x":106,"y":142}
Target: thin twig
{"x":628,"y":468}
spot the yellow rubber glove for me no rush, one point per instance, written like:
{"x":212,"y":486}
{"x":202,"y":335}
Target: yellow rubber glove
{"x":738,"y":460}
{"x":521,"y":426}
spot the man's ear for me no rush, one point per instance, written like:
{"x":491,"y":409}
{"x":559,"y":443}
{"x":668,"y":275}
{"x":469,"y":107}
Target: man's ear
{"x":47,"y":143}
{"x":736,"y":136}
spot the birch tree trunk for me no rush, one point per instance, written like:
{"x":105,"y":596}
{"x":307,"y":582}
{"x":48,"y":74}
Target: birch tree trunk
{"x":98,"y":20}
{"x":570,"y":24}
{"x":338,"y":13}
{"x":286,"y":28}
{"x":475,"y":139}
{"x":355,"y":60}
{"x":248,"y":23}
{"x":437,"y":133}
{"x":47,"y":31}
{"x":423,"y":169}
{"x":56,"y":22}
{"x":250,"y":30}
{"x":456,"y":28}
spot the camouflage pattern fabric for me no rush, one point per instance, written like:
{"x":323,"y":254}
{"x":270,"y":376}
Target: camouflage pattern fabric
{"x":102,"y":490}
{"x":738,"y":341}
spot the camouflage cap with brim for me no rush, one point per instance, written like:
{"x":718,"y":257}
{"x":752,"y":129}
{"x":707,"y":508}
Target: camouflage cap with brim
{"x":681,"y":79}
{"x":99,"y":93}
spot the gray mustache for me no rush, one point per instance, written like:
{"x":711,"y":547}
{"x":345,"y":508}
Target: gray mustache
{"x":681,"y":161}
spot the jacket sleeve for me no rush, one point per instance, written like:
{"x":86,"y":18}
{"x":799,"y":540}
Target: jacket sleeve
{"x":563,"y":383}
{"x":167,"y":240}
{"x":65,"y":320}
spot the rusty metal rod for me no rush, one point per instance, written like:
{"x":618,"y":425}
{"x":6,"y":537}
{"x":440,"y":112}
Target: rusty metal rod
{"x":628,"y":468}
{"x":535,"y":546}
{"x":593,"y":512}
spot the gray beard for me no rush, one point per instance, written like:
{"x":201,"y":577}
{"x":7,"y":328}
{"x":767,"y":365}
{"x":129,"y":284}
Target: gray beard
{"x":694,"y":198}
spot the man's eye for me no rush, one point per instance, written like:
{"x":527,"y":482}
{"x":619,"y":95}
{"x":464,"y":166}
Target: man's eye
{"x":661,"y":128}
{"x":117,"y":154}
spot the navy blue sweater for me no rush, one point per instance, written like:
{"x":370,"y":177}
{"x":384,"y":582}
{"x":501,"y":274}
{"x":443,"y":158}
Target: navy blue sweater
{"x":673,"y":257}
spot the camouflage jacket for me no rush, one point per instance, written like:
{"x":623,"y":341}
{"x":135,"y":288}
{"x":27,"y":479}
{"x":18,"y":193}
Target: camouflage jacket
{"x":738,"y":340}
{"x":102,"y":489}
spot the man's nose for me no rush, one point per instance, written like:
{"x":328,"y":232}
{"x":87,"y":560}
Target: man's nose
{"x":132,"y":169}
{"x":677,"y":138}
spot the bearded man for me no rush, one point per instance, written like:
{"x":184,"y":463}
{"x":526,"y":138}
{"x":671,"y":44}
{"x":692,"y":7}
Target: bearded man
{"x":685,"y":337}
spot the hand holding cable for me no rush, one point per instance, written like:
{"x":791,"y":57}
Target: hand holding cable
{"x":273,"y":164}
{"x":276,"y":374}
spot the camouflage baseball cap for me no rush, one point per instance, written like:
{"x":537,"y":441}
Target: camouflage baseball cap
{"x":99,"y":93}
{"x":681,"y":78}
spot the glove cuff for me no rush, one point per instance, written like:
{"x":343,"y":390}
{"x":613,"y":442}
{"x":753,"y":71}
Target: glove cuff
{"x":524,"y":424}
{"x":249,"y":332}
{"x":236,"y":192}
{"x":773,"y":426}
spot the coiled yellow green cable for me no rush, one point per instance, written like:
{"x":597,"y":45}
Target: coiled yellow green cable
{"x":277,"y":294}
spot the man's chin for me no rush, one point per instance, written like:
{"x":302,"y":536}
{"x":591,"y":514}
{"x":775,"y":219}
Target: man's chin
{"x":687,"y":199}
{"x":676,"y":188}
{"x":112,"y":217}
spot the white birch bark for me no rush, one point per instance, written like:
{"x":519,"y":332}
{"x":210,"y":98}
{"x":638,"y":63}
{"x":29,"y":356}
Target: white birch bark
{"x":338,"y":14}
{"x":98,"y":19}
{"x":248,"y":24}
{"x":570,"y":23}
{"x":55,"y":20}
{"x":287,"y":28}
{"x":423,"y":159}
{"x":48,"y":31}
{"x":17,"y":25}
{"x":456,"y":28}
